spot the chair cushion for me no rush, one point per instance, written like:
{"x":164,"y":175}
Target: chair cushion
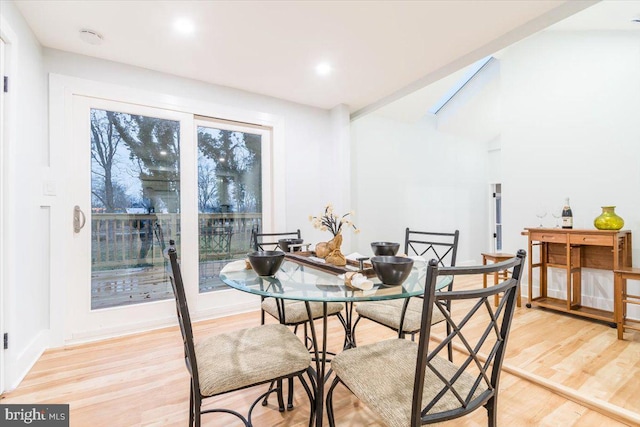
{"x":295,"y":311}
{"x":388,"y":313}
{"x":382,"y":375}
{"x":246,"y":357}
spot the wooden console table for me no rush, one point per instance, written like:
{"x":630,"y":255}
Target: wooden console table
{"x":571,"y":250}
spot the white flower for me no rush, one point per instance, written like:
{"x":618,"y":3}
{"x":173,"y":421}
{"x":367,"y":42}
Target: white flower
{"x":329,"y":220}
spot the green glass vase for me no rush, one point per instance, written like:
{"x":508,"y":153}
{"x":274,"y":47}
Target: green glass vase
{"x":608,"y":219}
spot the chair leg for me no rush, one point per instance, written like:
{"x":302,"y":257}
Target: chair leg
{"x":191,"y":405}
{"x":280,"y":398}
{"x":492,"y":412}
{"x":278,"y":385}
{"x":329,"y":402}
{"x":312,"y":405}
{"x":290,"y":395}
{"x":265,"y":401}
{"x":197,"y":403}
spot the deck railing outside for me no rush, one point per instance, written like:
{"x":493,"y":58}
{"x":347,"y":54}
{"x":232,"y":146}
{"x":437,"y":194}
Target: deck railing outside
{"x":125,"y":240}
{"x":127,"y":253}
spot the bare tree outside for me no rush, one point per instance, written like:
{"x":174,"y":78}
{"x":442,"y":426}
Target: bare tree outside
{"x":236,"y":159}
{"x":154,"y":146}
{"x":135,"y":206}
{"x":135,"y":200}
{"x":105,"y":141}
{"x":229,"y":196}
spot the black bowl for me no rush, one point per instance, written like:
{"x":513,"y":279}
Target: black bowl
{"x":392,"y":270}
{"x":284,"y":244}
{"x":385,"y":248}
{"x":265,"y":263}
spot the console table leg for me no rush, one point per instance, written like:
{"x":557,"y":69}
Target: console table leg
{"x":619,"y":287}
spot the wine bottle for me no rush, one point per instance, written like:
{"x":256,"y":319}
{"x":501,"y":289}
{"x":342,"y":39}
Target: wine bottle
{"x":567,"y":215}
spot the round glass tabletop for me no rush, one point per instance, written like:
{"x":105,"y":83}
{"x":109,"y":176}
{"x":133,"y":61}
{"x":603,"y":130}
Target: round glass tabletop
{"x":305,"y":283}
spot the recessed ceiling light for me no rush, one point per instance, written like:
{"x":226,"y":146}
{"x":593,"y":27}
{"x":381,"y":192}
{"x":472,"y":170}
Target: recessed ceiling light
{"x":323,"y":69}
{"x":91,"y":37}
{"x":184,"y":26}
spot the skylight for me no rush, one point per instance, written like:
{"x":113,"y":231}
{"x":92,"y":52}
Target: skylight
{"x":468,"y":75}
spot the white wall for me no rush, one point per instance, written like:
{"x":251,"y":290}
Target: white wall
{"x":26,"y":212}
{"x":411,"y":175}
{"x":571,"y":128}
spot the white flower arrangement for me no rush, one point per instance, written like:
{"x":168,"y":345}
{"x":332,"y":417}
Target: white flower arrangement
{"x":332,"y":222}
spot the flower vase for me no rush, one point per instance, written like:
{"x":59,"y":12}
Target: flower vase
{"x":608,"y":219}
{"x":335,"y":257}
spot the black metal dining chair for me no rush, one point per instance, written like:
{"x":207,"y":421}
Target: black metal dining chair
{"x":289,"y":312}
{"x":411,"y":384}
{"x":269,"y":241}
{"x":404,"y":315}
{"x":237,"y":360}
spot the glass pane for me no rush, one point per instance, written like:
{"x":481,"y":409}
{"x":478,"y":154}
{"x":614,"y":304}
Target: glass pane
{"x":229,"y":198}
{"x":498,"y":219}
{"x":135,"y":206}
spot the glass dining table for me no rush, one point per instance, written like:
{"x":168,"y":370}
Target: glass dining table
{"x":302,"y":282}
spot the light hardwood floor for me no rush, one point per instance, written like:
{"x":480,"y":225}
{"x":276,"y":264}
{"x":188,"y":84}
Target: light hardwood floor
{"x":141,"y":380}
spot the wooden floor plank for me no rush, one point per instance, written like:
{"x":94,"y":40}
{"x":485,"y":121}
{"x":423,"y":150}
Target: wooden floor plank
{"x":141,"y":380}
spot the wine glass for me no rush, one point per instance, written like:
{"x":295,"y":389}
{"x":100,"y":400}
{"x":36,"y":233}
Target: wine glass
{"x":541,"y":212}
{"x":557,"y":214}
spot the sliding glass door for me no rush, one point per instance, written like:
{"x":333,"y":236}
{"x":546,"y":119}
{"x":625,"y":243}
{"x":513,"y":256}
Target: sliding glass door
{"x":140,"y":177}
{"x":230,"y":193}
{"x":135,"y":206}
{"x":125,"y":202}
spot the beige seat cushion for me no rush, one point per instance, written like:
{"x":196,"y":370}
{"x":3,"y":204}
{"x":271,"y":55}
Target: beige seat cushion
{"x":295,"y":311}
{"x":250,"y":356}
{"x":381,"y":375}
{"x":388,"y":313}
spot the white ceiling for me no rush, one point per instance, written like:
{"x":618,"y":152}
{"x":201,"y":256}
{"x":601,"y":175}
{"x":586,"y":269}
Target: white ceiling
{"x":607,"y":15}
{"x":379,"y":50}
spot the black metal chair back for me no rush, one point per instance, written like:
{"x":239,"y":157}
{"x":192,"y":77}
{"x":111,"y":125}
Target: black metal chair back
{"x":429,"y":245}
{"x":269,"y":241}
{"x":443,"y":247}
{"x":483,"y":352}
{"x":184,"y":319}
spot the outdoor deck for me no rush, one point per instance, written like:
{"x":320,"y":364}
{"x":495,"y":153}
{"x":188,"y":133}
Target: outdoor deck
{"x":128,"y":264}
{"x":112,"y":288}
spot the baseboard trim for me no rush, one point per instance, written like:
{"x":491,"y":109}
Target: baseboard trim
{"x":168,"y":321}
{"x":18,"y":368}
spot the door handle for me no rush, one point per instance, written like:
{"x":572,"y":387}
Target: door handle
{"x":79,"y":219}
